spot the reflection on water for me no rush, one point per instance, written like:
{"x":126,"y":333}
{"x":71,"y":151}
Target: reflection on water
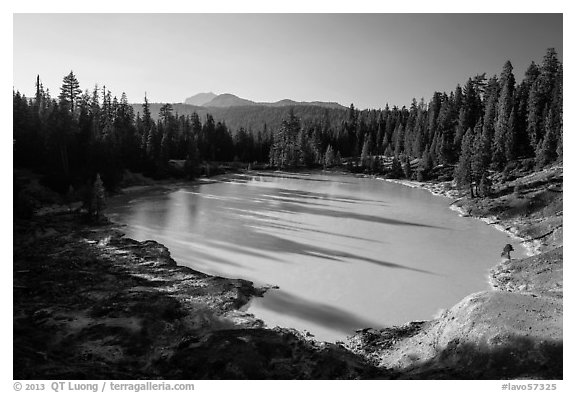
{"x":347,"y":253}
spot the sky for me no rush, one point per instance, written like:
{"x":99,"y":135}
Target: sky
{"x":366,"y":59}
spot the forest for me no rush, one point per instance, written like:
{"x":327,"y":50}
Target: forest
{"x":474,"y":130}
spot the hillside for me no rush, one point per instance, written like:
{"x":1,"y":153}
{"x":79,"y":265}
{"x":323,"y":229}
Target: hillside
{"x":200,"y":99}
{"x":253,"y":116}
{"x":228,"y":100}
{"x":211,"y":100}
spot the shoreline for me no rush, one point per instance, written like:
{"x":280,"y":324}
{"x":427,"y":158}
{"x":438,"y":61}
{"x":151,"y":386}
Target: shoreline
{"x":416,"y":349}
{"x":532,"y":247}
{"x":444,"y":189}
{"x":516,"y":326}
{"x":124,"y":309}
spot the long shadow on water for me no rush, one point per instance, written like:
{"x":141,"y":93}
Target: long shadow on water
{"x":272,"y":243}
{"x":274,"y":222}
{"x":325,"y":315}
{"x":292,"y":176}
{"x":234,"y":221}
{"x":292,"y":206}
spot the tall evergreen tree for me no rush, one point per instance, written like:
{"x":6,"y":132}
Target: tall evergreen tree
{"x":503,"y":149}
{"x":541,"y":96}
{"x":70,"y":91}
{"x":463,"y":172}
{"x":546,"y":151}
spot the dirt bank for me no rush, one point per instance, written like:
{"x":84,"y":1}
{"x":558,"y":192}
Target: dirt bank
{"x":514,"y":331}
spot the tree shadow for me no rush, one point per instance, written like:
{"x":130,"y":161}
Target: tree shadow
{"x":321,"y":314}
{"x":278,"y":244}
{"x":289,"y":203}
{"x":256,"y":232}
{"x":296,"y":176}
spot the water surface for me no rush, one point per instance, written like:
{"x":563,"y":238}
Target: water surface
{"x":346,"y":252}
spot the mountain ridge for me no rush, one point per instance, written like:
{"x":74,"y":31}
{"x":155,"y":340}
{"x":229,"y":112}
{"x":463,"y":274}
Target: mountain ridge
{"x":200,"y":99}
{"x":251,"y":116}
{"x":226,"y":100}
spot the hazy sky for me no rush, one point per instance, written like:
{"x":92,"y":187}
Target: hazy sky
{"x":365,"y":59}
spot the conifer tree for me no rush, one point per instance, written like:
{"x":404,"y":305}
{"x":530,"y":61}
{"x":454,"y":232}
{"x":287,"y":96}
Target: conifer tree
{"x":70,"y":91}
{"x":396,"y":171}
{"x":424,"y":166}
{"x":546,"y":151}
{"x":480,"y":153}
{"x":146,"y":115}
{"x":503,"y":148}
{"x":541,"y":96}
{"x":97,"y":202}
{"x":524,"y":146}
{"x":407,"y":169}
{"x":165,"y":148}
{"x":463,"y":172}
{"x":285,"y":149}
{"x":329,"y":158}
{"x":365,"y":155}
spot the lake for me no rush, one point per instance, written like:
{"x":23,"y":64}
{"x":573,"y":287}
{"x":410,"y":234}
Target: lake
{"x":345,"y":252}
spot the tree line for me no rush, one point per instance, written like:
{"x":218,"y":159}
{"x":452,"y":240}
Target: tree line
{"x":77,"y":135}
{"x":476,"y":129}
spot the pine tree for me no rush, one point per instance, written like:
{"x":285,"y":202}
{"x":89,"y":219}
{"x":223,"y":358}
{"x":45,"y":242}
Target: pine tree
{"x":541,"y":96}
{"x":285,"y":150}
{"x":307,"y":153}
{"x":425,"y":166}
{"x":329,"y":158}
{"x":365,"y":156}
{"x":463,"y":172}
{"x":338,"y":159}
{"x":70,"y":91}
{"x":165,"y":114}
{"x":481,"y":153}
{"x":165,"y":147}
{"x":485,"y":188}
{"x":521,"y":118}
{"x":407,"y":169}
{"x":396,"y":171}
{"x":546,"y":151}
{"x":146,"y":116}
{"x":503,"y":148}
{"x":97,"y":202}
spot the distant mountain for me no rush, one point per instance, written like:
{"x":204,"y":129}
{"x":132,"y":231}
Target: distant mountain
{"x":200,"y":99}
{"x":211,"y":100}
{"x":288,"y":102}
{"x":256,"y":115}
{"x":228,"y":100}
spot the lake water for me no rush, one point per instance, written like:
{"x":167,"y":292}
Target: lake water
{"x":346,"y":252}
